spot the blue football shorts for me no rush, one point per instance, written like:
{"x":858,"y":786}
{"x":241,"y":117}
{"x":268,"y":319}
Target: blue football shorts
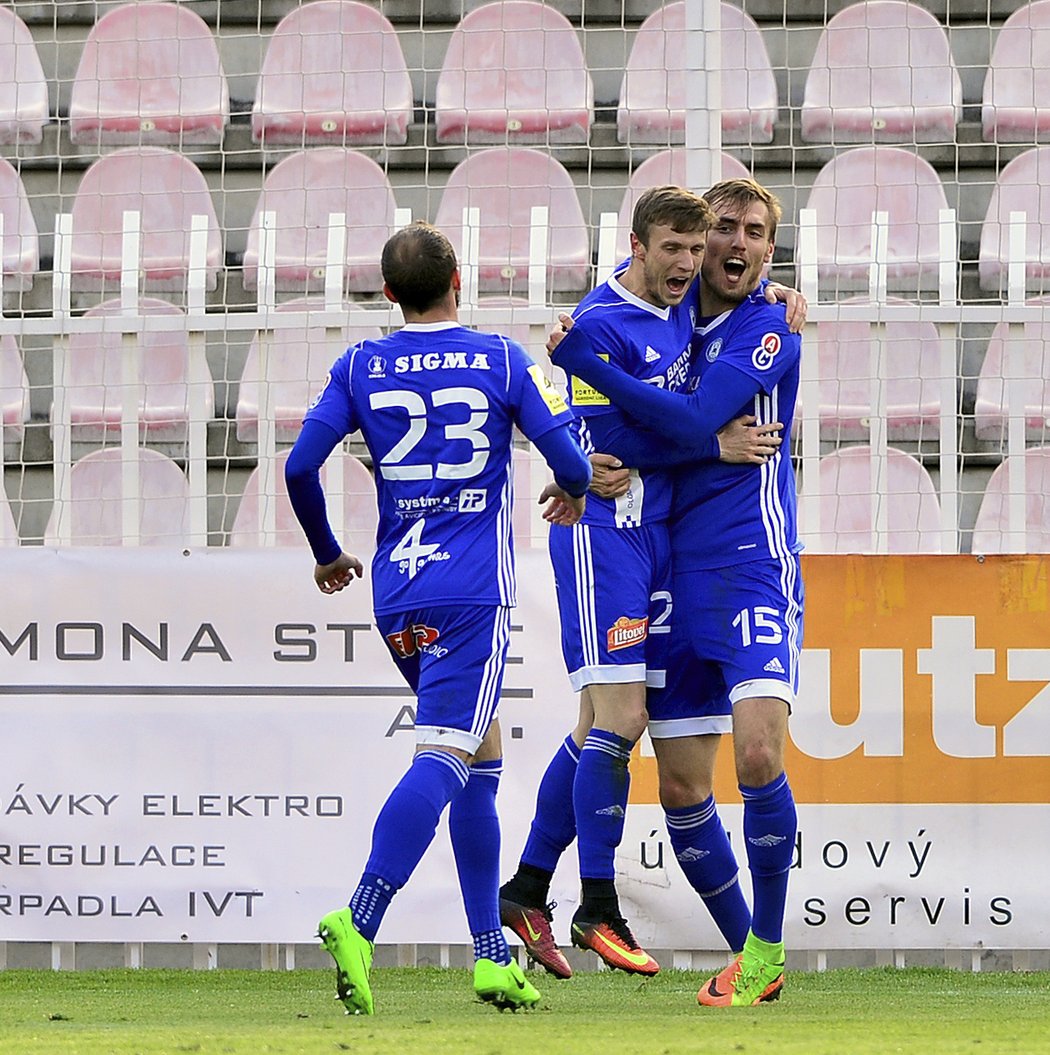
{"x":453,"y":657}
{"x":614,"y":601}
{"x":737,"y":636}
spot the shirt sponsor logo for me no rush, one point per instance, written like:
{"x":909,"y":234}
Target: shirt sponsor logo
{"x":550,"y":395}
{"x":626,"y":632}
{"x":416,"y":637}
{"x":472,"y":500}
{"x":411,"y":364}
{"x":585,"y":396}
{"x":762,"y":357}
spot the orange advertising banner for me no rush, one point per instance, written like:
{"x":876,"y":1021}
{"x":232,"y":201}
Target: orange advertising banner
{"x":923,"y":680}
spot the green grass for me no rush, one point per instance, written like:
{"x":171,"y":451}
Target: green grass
{"x":433,"y":1012}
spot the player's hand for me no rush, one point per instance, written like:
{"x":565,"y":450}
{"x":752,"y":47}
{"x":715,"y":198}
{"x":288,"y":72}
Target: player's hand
{"x":331,"y":578}
{"x":557,"y":334}
{"x":562,"y":508}
{"x":609,"y":478}
{"x":742,"y":442}
{"x":797,"y":305}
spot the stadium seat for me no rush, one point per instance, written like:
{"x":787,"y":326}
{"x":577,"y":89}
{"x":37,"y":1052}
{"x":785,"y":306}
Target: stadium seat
{"x":95,"y":388}
{"x":882,"y":72}
{"x":334,"y":73}
{"x":14,"y":390}
{"x":991,"y":530}
{"x":97,"y":493}
{"x":8,"y":527}
{"x":504,"y":183}
{"x":19,"y":250}
{"x":652,"y":93}
{"x":848,"y":513}
{"x":23,"y":89}
{"x":668,"y":166}
{"x":855,"y":184}
{"x":991,"y":407}
{"x":1016,"y":102}
{"x":167,"y":189}
{"x":299,"y":362}
{"x":360,"y":513}
{"x":514,"y":72}
{"x":303,"y":190}
{"x":912,"y":359}
{"x":149,"y":73}
{"x":1023,"y":186}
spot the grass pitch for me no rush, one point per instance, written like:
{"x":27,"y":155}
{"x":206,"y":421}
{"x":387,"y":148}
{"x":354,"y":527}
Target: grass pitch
{"x":433,"y":1012}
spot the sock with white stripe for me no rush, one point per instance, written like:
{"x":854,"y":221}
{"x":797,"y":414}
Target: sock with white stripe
{"x":770,"y":826}
{"x":403,"y":830}
{"x":599,"y":798}
{"x":554,"y":825}
{"x":702,"y":848}
{"x":473,"y":826}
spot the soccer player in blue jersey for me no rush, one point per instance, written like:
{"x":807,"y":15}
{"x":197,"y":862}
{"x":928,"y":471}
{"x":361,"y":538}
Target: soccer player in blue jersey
{"x":436,"y":404}
{"x":612,"y":573}
{"x":737,"y":588}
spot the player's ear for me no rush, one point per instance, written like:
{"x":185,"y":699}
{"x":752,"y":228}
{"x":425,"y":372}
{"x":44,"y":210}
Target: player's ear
{"x":388,"y":293}
{"x":456,"y":283}
{"x":637,"y":248}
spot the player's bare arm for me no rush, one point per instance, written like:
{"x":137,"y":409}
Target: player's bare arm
{"x":331,"y":578}
{"x":795,"y":302}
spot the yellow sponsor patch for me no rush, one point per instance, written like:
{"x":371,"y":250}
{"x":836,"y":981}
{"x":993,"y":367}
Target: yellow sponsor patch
{"x":551,"y":396}
{"x":583,"y":395}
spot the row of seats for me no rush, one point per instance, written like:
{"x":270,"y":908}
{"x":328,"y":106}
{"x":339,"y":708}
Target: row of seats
{"x":846,"y":507}
{"x":504,"y":183}
{"x":334,"y":72}
{"x":299,"y":360}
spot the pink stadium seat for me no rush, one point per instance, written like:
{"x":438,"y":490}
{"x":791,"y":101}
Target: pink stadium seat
{"x":334,"y":73}
{"x":299,"y":362}
{"x":8,"y":528}
{"x":668,"y":166}
{"x":883,"y":72}
{"x":912,"y":357}
{"x":1023,"y":186}
{"x":303,"y":189}
{"x":360,"y":514}
{"x":990,"y":532}
{"x":23,"y":89}
{"x":97,"y":496}
{"x":14,"y":389}
{"x":991,"y":407}
{"x":652,"y":93}
{"x":149,"y":73}
{"x":847,"y":512}
{"x":514,"y":72}
{"x":504,"y":183}
{"x":1016,"y":101}
{"x":856,"y":183}
{"x":95,"y":389}
{"x":167,"y":189}
{"x":19,"y":249}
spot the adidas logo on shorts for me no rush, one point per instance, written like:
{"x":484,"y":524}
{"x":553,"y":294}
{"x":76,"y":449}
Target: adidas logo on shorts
{"x":774,"y":666}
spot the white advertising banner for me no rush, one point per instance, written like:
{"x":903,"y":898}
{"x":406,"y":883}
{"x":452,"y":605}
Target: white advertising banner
{"x":195,"y":746}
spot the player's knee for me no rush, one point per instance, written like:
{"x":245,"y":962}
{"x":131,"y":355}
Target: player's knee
{"x":678,"y":790}
{"x":757,"y":763}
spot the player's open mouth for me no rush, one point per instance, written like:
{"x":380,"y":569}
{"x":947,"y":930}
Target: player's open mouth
{"x":677,"y":285}
{"x":734,"y":268}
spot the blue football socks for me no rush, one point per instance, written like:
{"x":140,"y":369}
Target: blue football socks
{"x":554,"y":825}
{"x":473,"y":826}
{"x":599,"y":798}
{"x":403,"y":830}
{"x":770,"y":827}
{"x":702,"y":848}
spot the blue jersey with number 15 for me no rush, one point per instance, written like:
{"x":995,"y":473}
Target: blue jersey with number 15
{"x":437,"y":403}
